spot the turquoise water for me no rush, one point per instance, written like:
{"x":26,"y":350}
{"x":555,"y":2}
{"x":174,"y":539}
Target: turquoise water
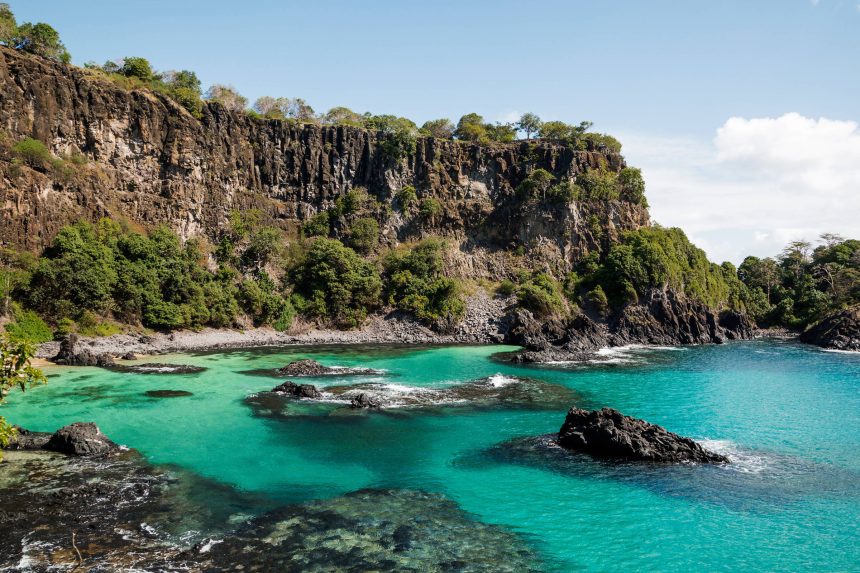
{"x":788,"y":415}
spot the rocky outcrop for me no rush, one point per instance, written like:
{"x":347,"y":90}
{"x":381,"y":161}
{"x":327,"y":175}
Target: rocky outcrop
{"x":71,"y":355}
{"x":309,"y":367}
{"x":78,"y":439}
{"x":81,"y":439}
{"x":297,"y":390}
{"x":839,"y":331}
{"x":608,"y":433}
{"x":663,"y":317}
{"x":168,"y":393}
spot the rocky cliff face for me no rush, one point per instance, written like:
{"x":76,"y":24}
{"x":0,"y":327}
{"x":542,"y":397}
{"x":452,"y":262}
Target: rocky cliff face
{"x":150,"y":162}
{"x":839,"y":331}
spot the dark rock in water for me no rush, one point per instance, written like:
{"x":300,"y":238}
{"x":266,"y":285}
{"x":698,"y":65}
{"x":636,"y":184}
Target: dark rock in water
{"x":157,"y":368}
{"x":81,"y":439}
{"x":27,"y":440}
{"x":840,"y":331}
{"x":129,"y":356}
{"x":308,"y":367}
{"x":608,"y":433}
{"x":297,"y":390}
{"x":168,"y":393}
{"x":364,"y":401}
{"x":70,"y":356}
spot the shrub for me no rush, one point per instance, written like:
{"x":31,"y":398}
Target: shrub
{"x":28,"y":325}
{"x":430,"y":209}
{"x":41,"y":39}
{"x":632,"y":186}
{"x":135,"y":67}
{"x":506,"y":288}
{"x":406,"y":196}
{"x":542,"y":295}
{"x":598,"y":299}
{"x":336,"y":284}
{"x":536,"y":184}
{"x":564,"y":192}
{"x":317,"y":226}
{"x":415,"y":283}
{"x":32,"y":152}
{"x":599,"y":184}
{"x":364,"y":235}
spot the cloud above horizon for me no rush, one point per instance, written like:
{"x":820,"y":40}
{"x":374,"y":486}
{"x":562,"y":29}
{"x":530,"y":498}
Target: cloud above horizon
{"x":760,"y":183}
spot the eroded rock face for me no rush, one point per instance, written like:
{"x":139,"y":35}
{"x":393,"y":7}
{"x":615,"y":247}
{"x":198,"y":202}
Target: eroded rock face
{"x":840,"y":331}
{"x":608,"y":433}
{"x":297,"y":390}
{"x":81,"y":439}
{"x":151,"y":162}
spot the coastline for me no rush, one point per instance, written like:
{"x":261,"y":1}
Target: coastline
{"x":482,"y":325}
{"x":388,"y":329}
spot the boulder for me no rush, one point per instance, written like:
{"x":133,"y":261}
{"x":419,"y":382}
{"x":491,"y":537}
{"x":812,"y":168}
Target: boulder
{"x":69,"y":355}
{"x":297,"y":390}
{"x":81,"y":439}
{"x":363,"y":401}
{"x":608,"y":433}
{"x":129,"y":356}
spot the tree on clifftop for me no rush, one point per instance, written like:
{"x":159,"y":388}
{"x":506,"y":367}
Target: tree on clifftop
{"x":228,"y":97}
{"x":530,"y":123}
{"x":41,"y":39}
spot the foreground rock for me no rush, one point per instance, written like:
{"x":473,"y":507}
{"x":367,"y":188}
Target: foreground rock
{"x":81,"y":439}
{"x":308,"y":367}
{"x":129,"y":516}
{"x":840,"y":331}
{"x":297,"y":390}
{"x":608,"y":433}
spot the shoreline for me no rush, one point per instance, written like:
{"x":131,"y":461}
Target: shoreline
{"x":378,"y":330}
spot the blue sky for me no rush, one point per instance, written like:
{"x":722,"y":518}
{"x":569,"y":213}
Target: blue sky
{"x":657,"y":73}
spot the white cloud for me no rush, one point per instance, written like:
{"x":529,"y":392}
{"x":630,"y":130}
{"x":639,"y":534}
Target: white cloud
{"x":508,"y":117}
{"x":760,"y":183}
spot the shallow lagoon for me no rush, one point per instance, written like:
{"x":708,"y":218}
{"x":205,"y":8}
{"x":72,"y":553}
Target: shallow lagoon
{"x":789,"y":415}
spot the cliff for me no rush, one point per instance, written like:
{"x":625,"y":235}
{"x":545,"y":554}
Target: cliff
{"x":148,"y":161}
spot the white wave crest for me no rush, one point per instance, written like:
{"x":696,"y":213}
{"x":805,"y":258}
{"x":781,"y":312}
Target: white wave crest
{"x":742,"y":460}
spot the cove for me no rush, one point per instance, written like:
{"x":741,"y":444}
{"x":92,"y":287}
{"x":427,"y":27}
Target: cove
{"x":787,"y":415}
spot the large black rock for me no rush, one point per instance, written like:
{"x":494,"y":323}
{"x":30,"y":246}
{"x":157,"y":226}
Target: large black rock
{"x":69,"y":355}
{"x":81,"y":439}
{"x":308,"y":367}
{"x":297,"y":390}
{"x":608,"y":433}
